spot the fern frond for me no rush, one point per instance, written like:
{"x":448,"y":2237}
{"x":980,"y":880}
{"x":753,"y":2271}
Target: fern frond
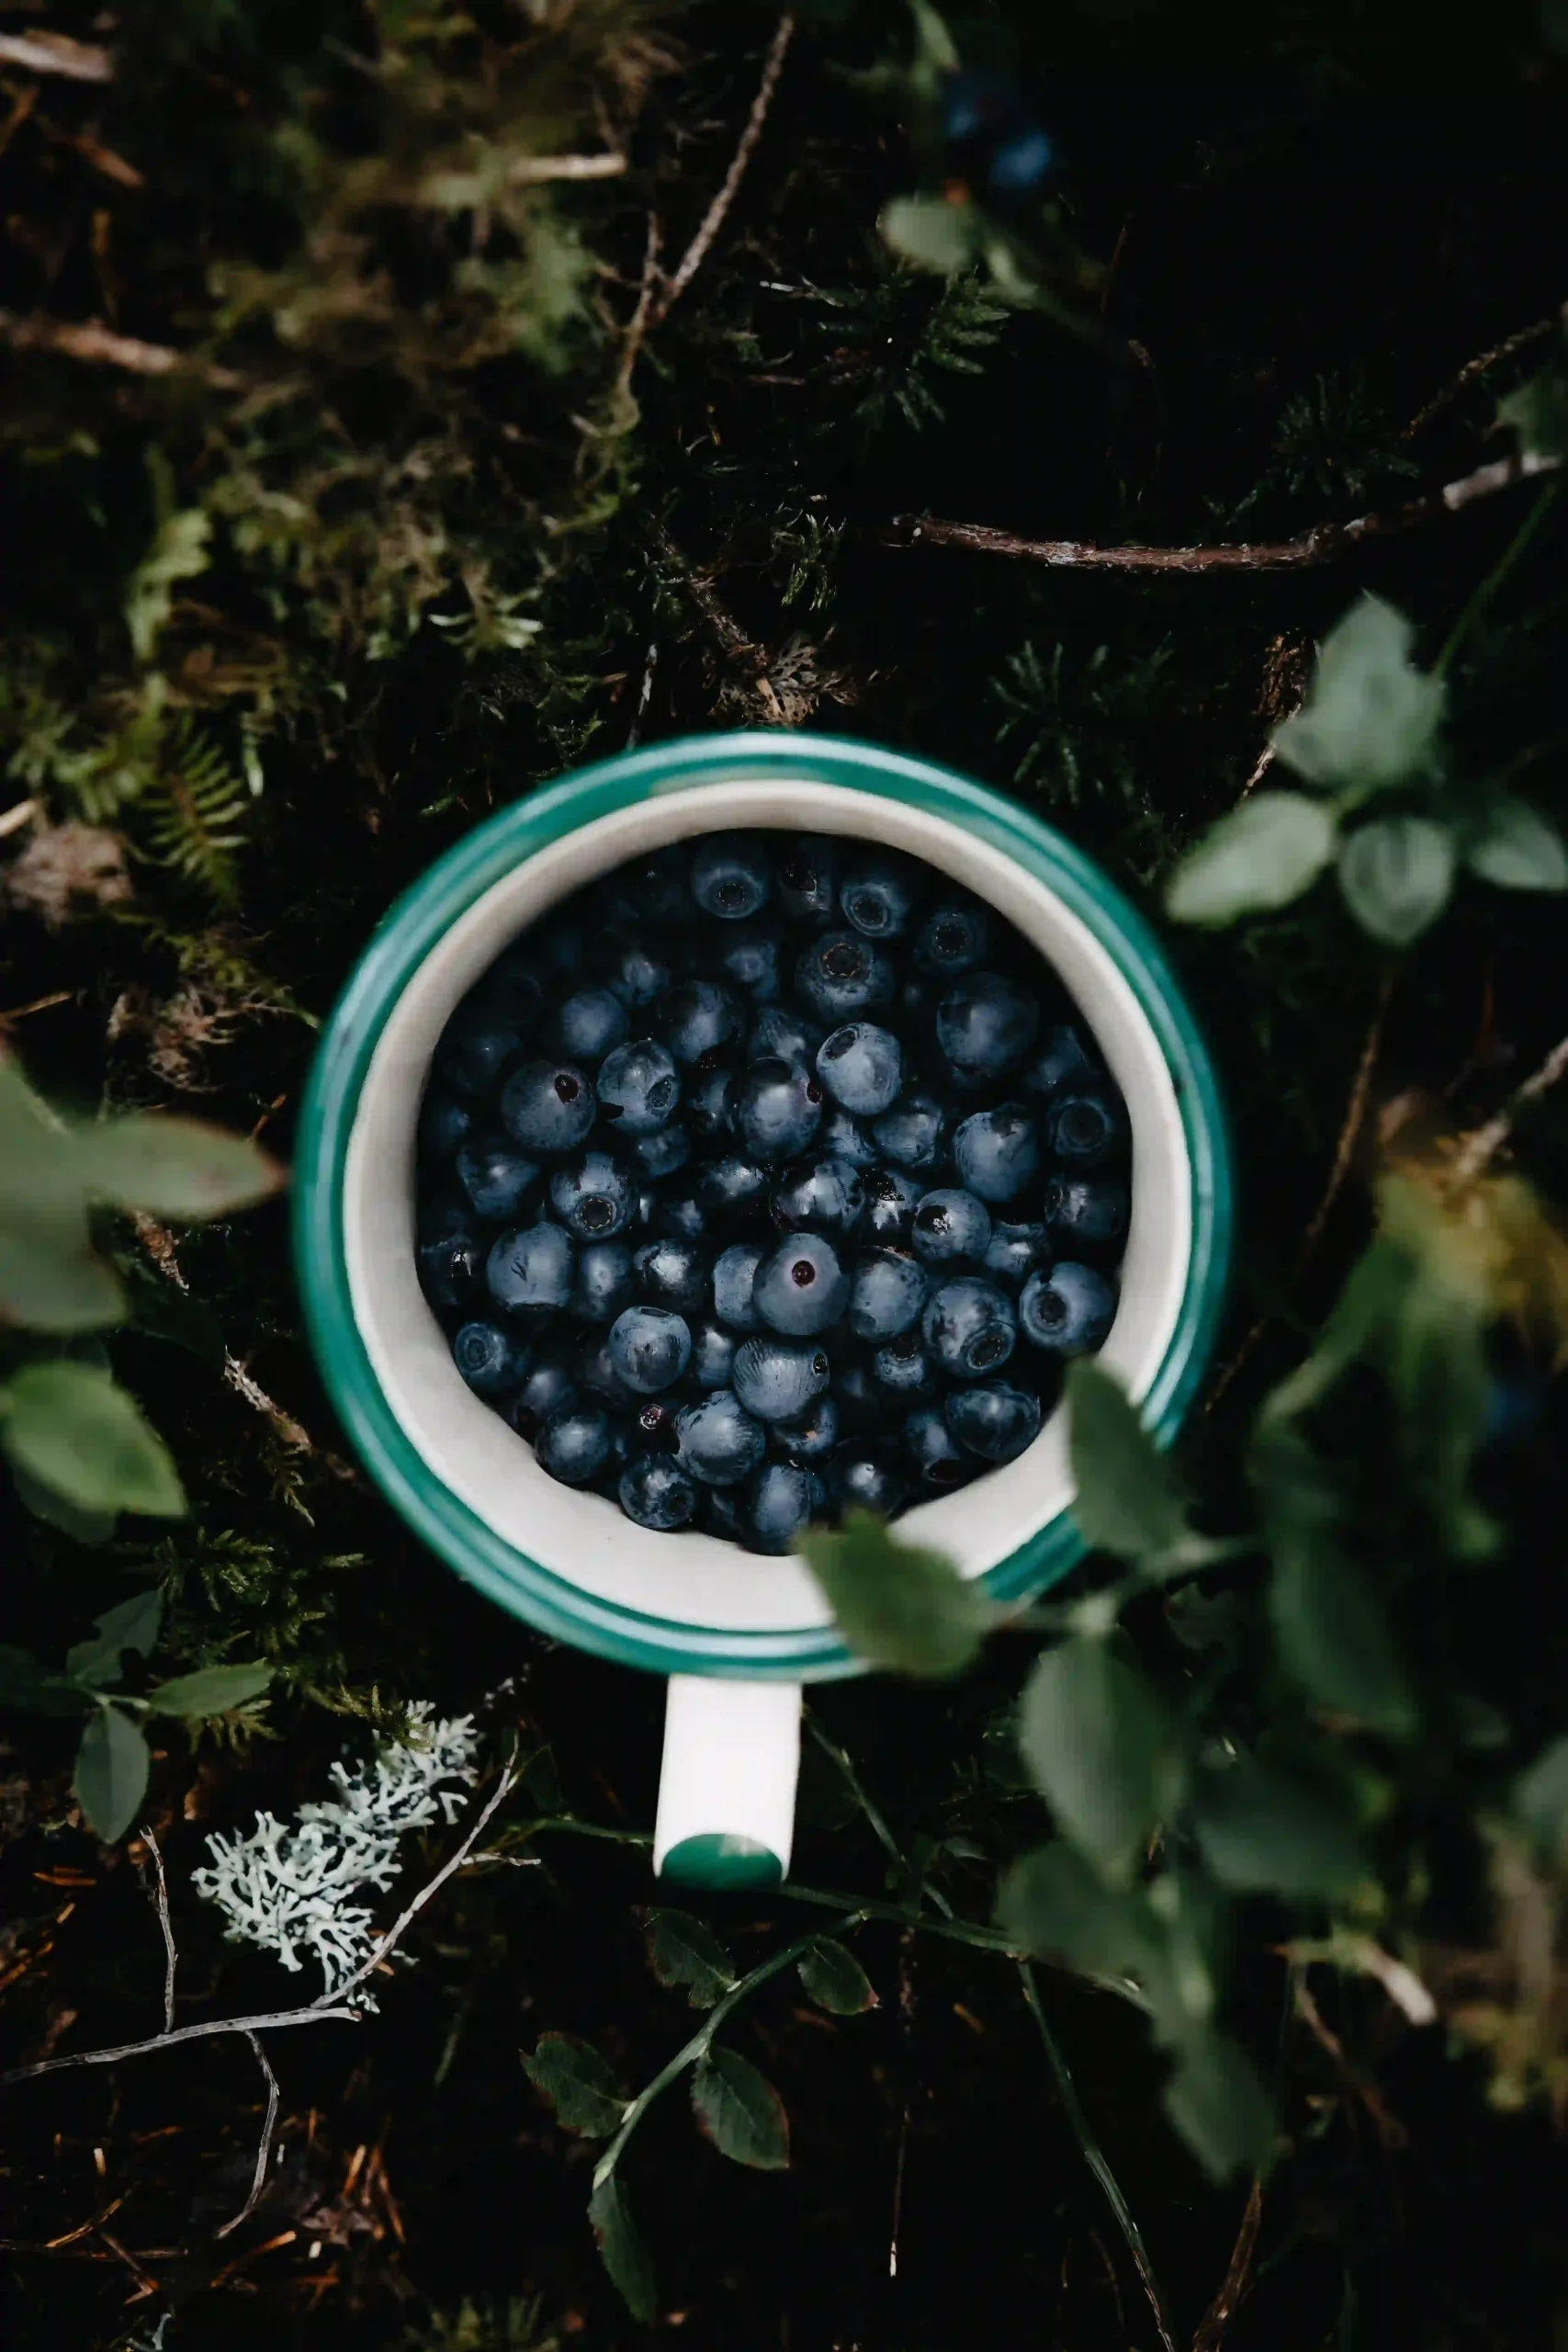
{"x":194,"y":809}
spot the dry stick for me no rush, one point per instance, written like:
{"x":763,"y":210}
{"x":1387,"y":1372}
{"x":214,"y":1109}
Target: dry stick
{"x":264,"y":2150}
{"x":712,"y":220}
{"x":1486,"y":1142}
{"x":532,"y":171}
{"x":91,"y":340}
{"x":162,"y":1899}
{"x":1473,"y":368}
{"x":1320,"y":545}
{"x":733,"y":641}
{"x":642,"y":317}
{"x":634,"y":732}
{"x":41,"y":53}
{"x":1217,"y":2318}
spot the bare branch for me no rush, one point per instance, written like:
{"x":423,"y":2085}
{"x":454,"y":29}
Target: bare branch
{"x":271,"y":2021}
{"x":91,"y":340}
{"x":161,"y":1898}
{"x":1537,"y":332}
{"x":533,"y":171}
{"x":264,"y":2150}
{"x":712,"y":220}
{"x":645,"y":696}
{"x":41,"y":53}
{"x":1486,"y":1142}
{"x":642,"y":317}
{"x":1216,"y":2320}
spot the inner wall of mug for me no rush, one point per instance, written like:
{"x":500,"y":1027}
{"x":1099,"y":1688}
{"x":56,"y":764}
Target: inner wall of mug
{"x":692,"y":1578}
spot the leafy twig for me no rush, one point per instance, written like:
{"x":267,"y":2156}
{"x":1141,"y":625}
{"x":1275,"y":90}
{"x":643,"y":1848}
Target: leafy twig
{"x":160,"y":1900}
{"x":712,"y":220}
{"x":264,"y":2147}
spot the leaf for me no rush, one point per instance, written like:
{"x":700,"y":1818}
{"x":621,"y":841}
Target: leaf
{"x":1540,"y":1796}
{"x":1127,"y":1496}
{"x":623,"y":2251}
{"x":1538,"y":412}
{"x":578,"y":2084}
{"x":741,"y":2111}
{"x":1261,"y":1830}
{"x":51,"y":1278}
{"x":69,"y":1427}
{"x":111,"y":1773}
{"x":682,"y":1951}
{"x":1517,"y":848}
{"x":1397,"y":874}
{"x":131,"y":1624}
{"x":1217,"y":2101}
{"x":178,"y":552}
{"x":25,"y":1682}
{"x":835,"y":1980}
{"x":1098,"y":1741}
{"x":899,"y":1605}
{"x":1055,"y":1905}
{"x":92,"y":1528}
{"x":1370,"y":717}
{"x":210,"y":1690}
{"x":1261,"y":856}
{"x":178,"y":1168}
{"x":1334,"y":1641}
{"x":930,"y":233}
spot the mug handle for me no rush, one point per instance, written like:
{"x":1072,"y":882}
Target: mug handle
{"x":726,"y":1784}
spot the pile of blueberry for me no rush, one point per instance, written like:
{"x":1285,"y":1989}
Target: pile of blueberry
{"x":767,"y":1178}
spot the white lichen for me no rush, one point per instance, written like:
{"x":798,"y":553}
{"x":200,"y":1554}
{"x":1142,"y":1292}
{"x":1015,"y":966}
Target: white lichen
{"x":287,"y":1885}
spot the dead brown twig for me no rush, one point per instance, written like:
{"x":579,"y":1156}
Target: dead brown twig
{"x":161,"y":1901}
{"x":1458,"y":383}
{"x":264,"y":2148}
{"x":91,"y":342}
{"x":41,"y":53}
{"x":1212,"y":2327}
{"x":712,"y":220}
{"x":732,"y":639}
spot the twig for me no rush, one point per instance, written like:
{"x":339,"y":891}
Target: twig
{"x":99,"y":346}
{"x":645,"y":696}
{"x":1320,"y":545}
{"x":83,"y":2230}
{"x":1217,"y":2318}
{"x":733,"y":641}
{"x":1519,"y":341}
{"x":1368,"y":1958}
{"x":1351,"y":1130}
{"x":642,"y":317}
{"x":161,"y":1898}
{"x":1391,"y":2133}
{"x":19,"y":814}
{"x":41,"y":53}
{"x":1486,"y":1142}
{"x":269,"y":2021}
{"x":532,"y":171}
{"x":264,"y":2149}
{"x":712,"y":220}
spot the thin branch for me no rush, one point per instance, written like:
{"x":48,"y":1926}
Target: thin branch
{"x":161,"y":1899}
{"x":712,"y":220}
{"x":1486,"y":1142}
{"x":41,"y":53}
{"x":99,"y":346}
{"x":1320,"y":545}
{"x":20,"y":813}
{"x":733,"y":641}
{"x":270,"y":2022}
{"x":1217,"y":2318}
{"x":264,"y":2149}
{"x":1351,"y":1131}
{"x":642,"y":317}
{"x":1457,"y":384}
{"x":533,"y":171}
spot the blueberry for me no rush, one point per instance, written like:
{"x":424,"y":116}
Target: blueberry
{"x":633,"y":972}
{"x":655,"y":1492}
{"x":862,"y":1067}
{"x":938,"y":1462}
{"x":530,"y":1268}
{"x":997,"y":1153}
{"x":951,"y":1228}
{"x":597,"y":1370}
{"x":1085,"y":1124}
{"x":780,"y":1505}
{"x":677,"y":1213}
{"x":710,"y":1103}
{"x":807,"y":877}
{"x":1069,"y":1311}
{"x":1086,"y":1212}
{"x":495,"y":1175}
{"x":1062,"y":1055}
{"x":969,"y":1327}
{"x":672,"y":1272}
{"x":879,"y":892}
{"x":661,"y":1153}
{"x":444,"y":1123}
{"x":653,"y":1424}
{"x":734,"y":1281}
{"x":776,"y":1379}
{"x":651,"y":1348}
{"x":862,"y":1405}
{"x":491,"y":1360}
{"x":720,"y":1443}
{"x":732,"y":874}
{"x":602,"y":1285}
{"x":713,"y":1353}
{"x":845,"y":1139}
{"x":887,"y":1294}
{"x":549,"y":1385}
{"x":826,"y":1195}
{"x":723,"y":1513}
{"x":780,"y":1036}
{"x":904,"y":1370}
{"x":953,"y":938}
{"x":477,"y":1046}
{"x":802,"y":1288}
{"x":841,"y":975}
{"x":749,"y":955}
{"x":696,"y":1017}
{"x":512,"y":986}
{"x":891,"y":1200}
{"x":984,"y":1024}
{"x":592,"y":1195}
{"x":1014,"y":1252}
{"x":659,"y":886}
{"x":732,"y":1190}
{"x":575,"y":1443}
{"x":913,"y":1134}
{"x":992,"y":1419}
{"x":548,"y":1106}
{"x":639,"y":1087}
{"x":867,"y":1477}
{"x":562,"y":947}
{"x":588,"y":1024}
{"x":777,"y":1110}
{"x":813,"y":1437}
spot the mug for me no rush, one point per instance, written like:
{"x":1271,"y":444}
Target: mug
{"x":737,"y":1634}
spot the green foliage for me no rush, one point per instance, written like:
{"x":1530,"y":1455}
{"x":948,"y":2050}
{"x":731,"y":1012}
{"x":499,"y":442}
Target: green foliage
{"x":897,"y":1604}
{"x":75,"y":1433}
{"x":110,"y":1779}
{"x":1102,"y":1750}
{"x":740,"y":2112}
{"x":1261,"y":856}
{"x":1127,"y":1498}
{"x":682,"y":1951}
{"x":1082,"y":733}
{"x":1396,"y":873}
{"x":623,"y":2249}
{"x":578,"y":2084}
{"x":835,"y":1980}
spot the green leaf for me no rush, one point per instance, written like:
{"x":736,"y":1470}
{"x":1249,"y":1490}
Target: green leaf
{"x":741,"y":2111}
{"x":92,"y":1528}
{"x":1261,"y":1830}
{"x":210,"y":1690}
{"x":1370,"y":717}
{"x":178,"y":1168}
{"x":1334,"y":1641}
{"x":1540,"y":1797}
{"x":131,"y":1624}
{"x":111,"y":1773}
{"x":1262,"y":856}
{"x":52,"y":1278}
{"x":898,"y":1605}
{"x":1397,"y":875}
{"x":1217,"y":2101}
{"x":178,"y":552}
{"x":1517,"y":848}
{"x":1538,"y":412}
{"x":682,"y":1951}
{"x":25,"y":1682}
{"x":1097,"y":1739}
{"x":578,"y":2084}
{"x":930,"y":233}
{"x":1128,"y":1501}
{"x":71,"y":1428}
{"x":1054,"y":1904}
{"x":623,"y":2251}
{"x":835,"y":1980}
